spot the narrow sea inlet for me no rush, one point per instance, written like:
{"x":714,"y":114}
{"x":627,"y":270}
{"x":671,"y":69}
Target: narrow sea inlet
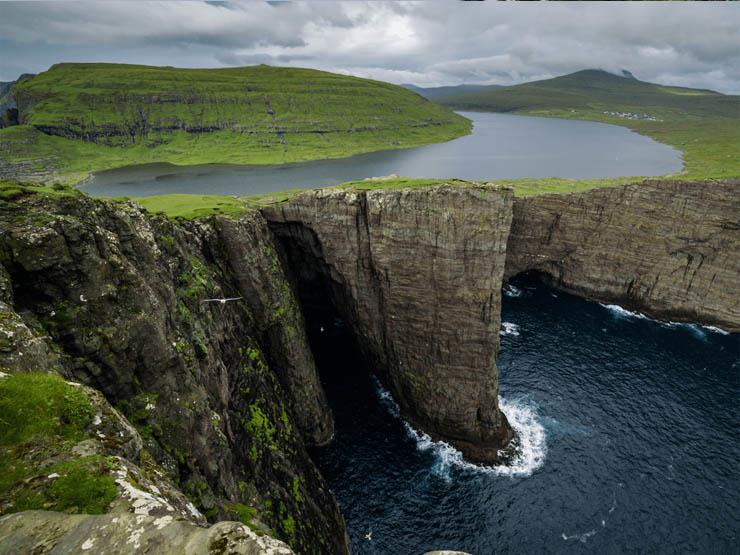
{"x":501,"y":146}
{"x":628,"y":433}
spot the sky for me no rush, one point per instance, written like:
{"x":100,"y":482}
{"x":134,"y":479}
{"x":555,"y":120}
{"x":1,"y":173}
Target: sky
{"x":693,"y":44}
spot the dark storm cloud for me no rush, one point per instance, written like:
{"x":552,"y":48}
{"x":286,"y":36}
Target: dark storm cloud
{"x":428,"y":43}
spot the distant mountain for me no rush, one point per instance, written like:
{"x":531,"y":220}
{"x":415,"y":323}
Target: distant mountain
{"x":433,"y":93}
{"x":598,"y":91}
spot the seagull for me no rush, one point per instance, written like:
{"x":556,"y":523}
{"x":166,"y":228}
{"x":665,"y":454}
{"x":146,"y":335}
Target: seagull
{"x":322,"y":329}
{"x":369,"y":536}
{"x":222,"y":301}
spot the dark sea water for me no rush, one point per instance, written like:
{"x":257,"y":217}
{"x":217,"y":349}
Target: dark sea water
{"x":631,"y":434}
{"x":501,"y":146}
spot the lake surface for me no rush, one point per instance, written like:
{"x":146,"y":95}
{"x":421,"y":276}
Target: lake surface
{"x":631,"y":434}
{"x":502,"y":146}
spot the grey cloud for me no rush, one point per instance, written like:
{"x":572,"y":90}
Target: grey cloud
{"x":429,"y":43}
{"x":231,"y":59}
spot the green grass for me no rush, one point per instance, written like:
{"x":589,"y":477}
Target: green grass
{"x":702,"y":124}
{"x":41,"y":405}
{"x":193,"y":206}
{"x":41,"y":417}
{"x":245,"y":514}
{"x":77,"y":118}
{"x":11,"y":189}
{"x":206,"y":205}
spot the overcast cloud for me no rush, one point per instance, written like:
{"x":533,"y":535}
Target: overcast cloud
{"x":427,"y":43}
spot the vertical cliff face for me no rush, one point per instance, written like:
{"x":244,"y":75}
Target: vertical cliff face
{"x":668,"y":248}
{"x":249,"y":249}
{"x":416,"y":274}
{"x":222,"y":394}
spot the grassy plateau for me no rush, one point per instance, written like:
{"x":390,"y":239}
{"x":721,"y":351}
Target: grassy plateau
{"x":78,"y":118}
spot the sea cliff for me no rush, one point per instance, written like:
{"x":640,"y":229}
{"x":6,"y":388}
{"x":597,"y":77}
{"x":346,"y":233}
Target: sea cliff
{"x":181,"y":390}
{"x":667,"y":248}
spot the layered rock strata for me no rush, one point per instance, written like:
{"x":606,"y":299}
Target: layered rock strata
{"x":416,"y":274}
{"x":671,"y":249}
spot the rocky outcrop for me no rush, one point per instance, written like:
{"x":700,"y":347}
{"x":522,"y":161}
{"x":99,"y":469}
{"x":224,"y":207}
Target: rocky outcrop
{"x":222,"y":394}
{"x":8,"y":107}
{"x":668,"y":248}
{"x":42,"y":532}
{"x":416,"y":274}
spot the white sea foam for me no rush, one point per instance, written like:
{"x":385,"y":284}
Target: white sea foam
{"x":386,"y":399}
{"x":715,"y":329}
{"x":583,"y":538}
{"x":525,"y":455}
{"x":511,"y":291}
{"x":509,"y":329}
{"x":696,"y":329}
{"x":621,"y":312}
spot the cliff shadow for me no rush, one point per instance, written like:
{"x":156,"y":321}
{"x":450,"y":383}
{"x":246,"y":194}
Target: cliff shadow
{"x":325,"y":307}
{"x":528,"y":278}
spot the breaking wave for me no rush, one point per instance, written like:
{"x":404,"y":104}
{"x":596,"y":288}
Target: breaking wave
{"x":525,"y":454}
{"x":507,"y":328}
{"x":511,"y":291}
{"x":583,"y":538}
{"x":620,"y":312}
{"x":697,"y":329}
{"x":715,"y":329}
{"x":386,"y":399}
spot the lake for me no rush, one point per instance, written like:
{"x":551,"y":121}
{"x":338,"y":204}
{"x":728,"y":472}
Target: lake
{"x":501,"y":146}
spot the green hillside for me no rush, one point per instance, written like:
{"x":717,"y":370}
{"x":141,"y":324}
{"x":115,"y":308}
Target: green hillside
{"x":702,"y":123}
{"x":76,"y":118}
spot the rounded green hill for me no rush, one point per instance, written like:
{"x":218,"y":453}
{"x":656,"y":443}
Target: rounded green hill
{"x":77,"y":118}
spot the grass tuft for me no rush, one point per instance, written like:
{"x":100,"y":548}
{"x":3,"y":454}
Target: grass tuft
{"x":41,"y":417}
{"x":42,"y":406}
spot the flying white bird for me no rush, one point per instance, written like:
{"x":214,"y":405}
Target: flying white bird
{"x":222,"y":301}
{"x":369,"y":536}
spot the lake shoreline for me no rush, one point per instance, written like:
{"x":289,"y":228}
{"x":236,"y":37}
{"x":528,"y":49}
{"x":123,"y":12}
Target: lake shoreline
{"x":501,"y":146}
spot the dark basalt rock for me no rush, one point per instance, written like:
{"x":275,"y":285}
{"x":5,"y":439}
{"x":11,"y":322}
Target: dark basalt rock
{"x":221,"y":393}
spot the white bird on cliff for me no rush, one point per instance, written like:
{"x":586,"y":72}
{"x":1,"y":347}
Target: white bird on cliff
{"x":222,"y":301}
